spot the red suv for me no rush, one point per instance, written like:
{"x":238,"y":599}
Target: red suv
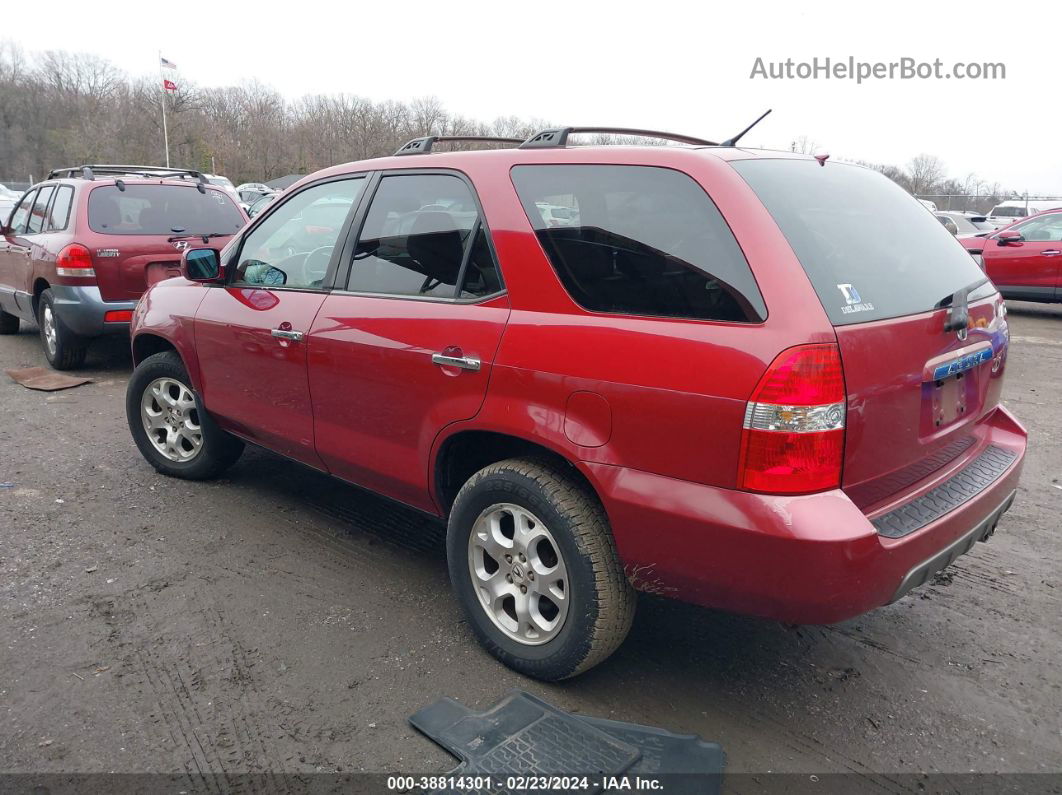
{"x":80,"y":248}
{"x":713,"y":376}
{"x":1024,"y":260}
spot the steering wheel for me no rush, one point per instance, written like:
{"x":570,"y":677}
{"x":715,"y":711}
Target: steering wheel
{"x":315,"y":266}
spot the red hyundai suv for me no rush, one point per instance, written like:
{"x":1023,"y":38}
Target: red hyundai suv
{"x":80,"y":248}
{"x":715,"y":377}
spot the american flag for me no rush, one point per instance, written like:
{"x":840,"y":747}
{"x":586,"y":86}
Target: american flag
{"x":166,"y":64}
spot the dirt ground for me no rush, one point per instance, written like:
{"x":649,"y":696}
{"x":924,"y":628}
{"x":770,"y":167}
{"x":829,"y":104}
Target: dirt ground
{"x":276,"y":621}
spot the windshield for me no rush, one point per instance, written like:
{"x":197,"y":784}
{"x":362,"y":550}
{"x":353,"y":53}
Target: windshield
{"x":1009,"y":212}
{"x":161,"y":210}
{"x":870,"y":250}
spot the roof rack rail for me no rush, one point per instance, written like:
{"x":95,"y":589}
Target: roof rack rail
{"x":422,"y":146}
{"x":90,"y":171}
{"x":557,"y":137}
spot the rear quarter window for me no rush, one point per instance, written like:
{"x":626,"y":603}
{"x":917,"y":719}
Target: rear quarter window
{"x":162,"y":210}
{"x":870,"y":250}
{"x":638,"y":240}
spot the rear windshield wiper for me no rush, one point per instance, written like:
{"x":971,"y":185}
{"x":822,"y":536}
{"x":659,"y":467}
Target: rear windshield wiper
{"x":958,"y":302}
{"x":204,"y":235}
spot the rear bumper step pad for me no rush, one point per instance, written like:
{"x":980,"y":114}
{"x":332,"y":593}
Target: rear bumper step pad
{"x":974,"y":478}
{"x":921,"y":573}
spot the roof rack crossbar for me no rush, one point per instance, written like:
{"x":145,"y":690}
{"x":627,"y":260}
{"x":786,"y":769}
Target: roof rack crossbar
{"x":89,"y":171}
{"x":422,"y":146}
{"x":557,"y":137}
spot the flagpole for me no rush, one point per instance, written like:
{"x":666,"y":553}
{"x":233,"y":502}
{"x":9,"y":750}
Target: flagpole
{"x":165,"y":131}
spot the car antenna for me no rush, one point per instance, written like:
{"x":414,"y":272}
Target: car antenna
{"x":733,"y":141}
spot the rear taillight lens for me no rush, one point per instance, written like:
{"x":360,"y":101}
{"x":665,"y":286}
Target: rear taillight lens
{"x":118,"y":316}
{"x":792,"y":440}
{"x":75,"y":262}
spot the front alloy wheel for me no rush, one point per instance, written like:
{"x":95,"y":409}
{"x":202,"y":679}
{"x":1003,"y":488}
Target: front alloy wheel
{"x":171,"y":420}
{"x":171,"y":429}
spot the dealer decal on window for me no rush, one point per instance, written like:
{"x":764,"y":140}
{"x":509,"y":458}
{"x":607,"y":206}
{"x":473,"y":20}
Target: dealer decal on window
{"x":853,"y":301}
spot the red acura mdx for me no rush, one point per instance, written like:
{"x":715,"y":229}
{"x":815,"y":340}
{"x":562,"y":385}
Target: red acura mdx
{"x":697,"y":370}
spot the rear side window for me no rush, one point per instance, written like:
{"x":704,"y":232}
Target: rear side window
{"x":638,"y":240}
{"x":162,"y":210}
{"x":870,"y":250}
{"x":423,"y":236}
{"x":39,"y":211}
{"x":60,"y":214}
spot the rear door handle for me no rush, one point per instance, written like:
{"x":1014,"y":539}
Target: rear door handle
{"x":285,"y":334}
{"x":1051,"y":252}
{"x":462,"y":362}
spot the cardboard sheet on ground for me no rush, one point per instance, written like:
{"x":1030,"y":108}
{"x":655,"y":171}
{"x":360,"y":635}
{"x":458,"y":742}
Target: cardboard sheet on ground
{"x":44,"y":379}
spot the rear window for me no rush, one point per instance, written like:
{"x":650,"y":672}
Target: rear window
{"x":1009,"y":212}
{"x":870,"y":250}
{"x":638,"y":240}
{"x":161,"y":210}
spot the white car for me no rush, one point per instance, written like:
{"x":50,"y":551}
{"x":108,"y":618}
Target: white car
{"x":1006,"y":213}
{"x":251,"y":191}
{"x":8,"y":198}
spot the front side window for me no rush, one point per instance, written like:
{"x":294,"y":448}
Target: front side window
{"x":638,"y":240}
{"x":293,"y":246}
{"x":1042,"y":229}
{"x":423,"y":237}
{"x":162,"y":210}
{"x":60,"y":213}
{"x":39,"y":211}
{"x":21,"y":213}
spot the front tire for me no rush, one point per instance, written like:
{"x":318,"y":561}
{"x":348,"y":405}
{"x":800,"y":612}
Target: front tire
{"x":64,"y":349}
{"x":171,"y":429}
{"x":534,"y":566}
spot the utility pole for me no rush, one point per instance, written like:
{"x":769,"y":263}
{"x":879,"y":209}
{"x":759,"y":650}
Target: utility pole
{"x":165,"y":131}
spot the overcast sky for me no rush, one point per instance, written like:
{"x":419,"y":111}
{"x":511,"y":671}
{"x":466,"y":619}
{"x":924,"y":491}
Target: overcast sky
{"x":662,"y":65}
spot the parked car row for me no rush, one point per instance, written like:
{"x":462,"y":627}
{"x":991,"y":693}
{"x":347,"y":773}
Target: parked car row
{"x":79,"y":248}
{"x":698,"y":370}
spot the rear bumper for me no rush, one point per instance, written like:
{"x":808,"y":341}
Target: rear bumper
{"x":812,"y":559}
{"x":82,"y":310}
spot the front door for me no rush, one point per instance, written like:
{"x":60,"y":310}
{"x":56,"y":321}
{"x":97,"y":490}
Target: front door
{"x":1030,"y":267}
{"x":16,"y":262}
{"x":407,"y":347}
{"x":251,"y":332}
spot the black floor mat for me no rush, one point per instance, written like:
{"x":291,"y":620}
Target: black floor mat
{"x":522,"y":735}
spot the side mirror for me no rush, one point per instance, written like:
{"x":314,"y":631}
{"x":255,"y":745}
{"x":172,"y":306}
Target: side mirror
{"x":1008,"y":237}
{"x":201,"y":265}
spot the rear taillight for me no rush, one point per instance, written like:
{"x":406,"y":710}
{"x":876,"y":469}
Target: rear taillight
{"x":118,"y":316}
{"x":793,"y":436}
{"x":75,"y":262}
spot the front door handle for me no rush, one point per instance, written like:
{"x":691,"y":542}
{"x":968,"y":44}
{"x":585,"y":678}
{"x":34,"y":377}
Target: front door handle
{"x":286,"y":334}
{"x":462,"y":362}
{"x":1051,"y":252}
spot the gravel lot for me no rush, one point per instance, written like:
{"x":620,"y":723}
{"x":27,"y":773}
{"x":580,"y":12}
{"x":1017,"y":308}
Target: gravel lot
{"x":276,"y":621}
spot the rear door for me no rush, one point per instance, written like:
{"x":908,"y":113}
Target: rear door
{"x":139,"y":231}
{"x":407,"y":346}
{"x":1030,"y":267}
{"x":251,"y":334}
{"x":890,"y":277}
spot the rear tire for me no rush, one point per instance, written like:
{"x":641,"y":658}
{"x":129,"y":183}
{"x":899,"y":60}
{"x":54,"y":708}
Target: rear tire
{"x":8,"y":323}
{"x":169,"y":425}
{"x":64,"y":349}
{"x":534,"y":566}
